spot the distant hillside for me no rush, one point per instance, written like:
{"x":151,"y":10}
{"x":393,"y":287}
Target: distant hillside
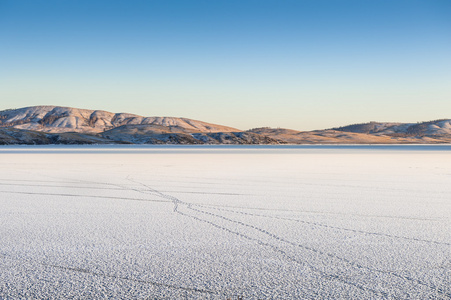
{"x":155,"y":134}
{"x":430,"y":128}
{"x":66,"y":125}
{"x":66,"y":119}
{"x":13,"y":136}
{"x":431,"y":132}
{"x":324,"y":137}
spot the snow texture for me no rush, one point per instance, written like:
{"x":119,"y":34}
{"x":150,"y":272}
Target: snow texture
{"x":225,"y":223}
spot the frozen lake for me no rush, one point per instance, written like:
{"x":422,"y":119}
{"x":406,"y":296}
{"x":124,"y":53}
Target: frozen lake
{"x":307,"y":222}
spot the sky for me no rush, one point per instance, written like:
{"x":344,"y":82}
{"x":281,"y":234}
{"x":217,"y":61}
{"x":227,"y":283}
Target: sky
{"x":299,"y":64}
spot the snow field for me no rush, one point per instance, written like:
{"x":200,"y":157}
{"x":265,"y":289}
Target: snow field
{"x":207,"y":223}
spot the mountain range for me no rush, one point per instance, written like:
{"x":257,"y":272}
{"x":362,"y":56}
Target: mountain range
{"x":66,"y":125}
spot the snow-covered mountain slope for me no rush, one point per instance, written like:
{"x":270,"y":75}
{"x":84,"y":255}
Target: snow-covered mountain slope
{"x":66,"y":119}
{"x":439,"y":127}
{"x":430,"y":128}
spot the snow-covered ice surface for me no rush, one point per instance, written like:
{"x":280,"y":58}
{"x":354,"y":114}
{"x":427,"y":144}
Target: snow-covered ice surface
{"x":225,"y":222}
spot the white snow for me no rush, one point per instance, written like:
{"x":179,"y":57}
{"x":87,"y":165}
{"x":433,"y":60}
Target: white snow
{"x":225,"y":222}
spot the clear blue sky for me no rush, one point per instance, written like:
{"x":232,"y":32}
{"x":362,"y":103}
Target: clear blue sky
{"x":300,"y":64}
